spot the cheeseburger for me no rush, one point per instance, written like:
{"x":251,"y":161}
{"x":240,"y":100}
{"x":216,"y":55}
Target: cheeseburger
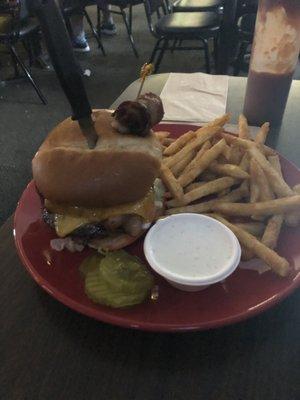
{"x":103,"y":197}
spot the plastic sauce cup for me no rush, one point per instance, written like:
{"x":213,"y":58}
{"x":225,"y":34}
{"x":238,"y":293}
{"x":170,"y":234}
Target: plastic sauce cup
{"x":192,"y":251}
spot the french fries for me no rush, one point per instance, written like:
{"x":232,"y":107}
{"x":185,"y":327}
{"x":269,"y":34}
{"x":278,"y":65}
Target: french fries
{"x":202,"y":135}
{"x":265,"y":208}
{"x":266,"y":192}
{"x":236,"y":155}
{"x":279,"y":186}
{"x":255,"y":228}
{"x":296,"y":188}
{"x":198,"y":165}
{"x":247,"y":144}
{"x":167,"y":141}
{"x":275,"y":162}
{"x":293,"y":219}
{"x":229,"y":170}
{"x":203,"y":190}
{"x":199,"y":154}
{"x":208,"y":176}
{"x":193,"y":186}
{"x":290,"y":219}
{"x":179,"y":143}
{"x":160,"y":135}
{"x":171,"y":183}
{"x":272,"y":231}
{"x":262,"y":133}
{"x":254,"y":188}
{"x":181,"y":164}
{"x":235,"y":140}
{"x":245,"y":162}
{"x":279,"y":264}
{"x":243,"y":178}
{"x":244,"y":132}
{"x":221,"y":121}
{"x":227,"y":152}
{"x":234,"y":195}
{"x":246,"y":254}
{"x":223,"y":192}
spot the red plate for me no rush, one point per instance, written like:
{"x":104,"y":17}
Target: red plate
{"x":244,"y":294}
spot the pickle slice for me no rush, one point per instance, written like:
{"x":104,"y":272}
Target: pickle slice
{"x":116,"y":280}
{"x":99,"y":291}
{"x":125,"y":273}
{"x":90,"y":263}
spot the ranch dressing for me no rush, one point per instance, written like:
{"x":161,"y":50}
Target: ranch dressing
{"x":192,"y":249}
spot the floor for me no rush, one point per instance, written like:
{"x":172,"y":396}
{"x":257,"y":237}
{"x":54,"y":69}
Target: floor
{"x":25,"y":121}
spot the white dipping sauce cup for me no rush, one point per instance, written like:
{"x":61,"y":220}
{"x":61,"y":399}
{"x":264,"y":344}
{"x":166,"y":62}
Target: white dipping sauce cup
{"x":192,"y":251}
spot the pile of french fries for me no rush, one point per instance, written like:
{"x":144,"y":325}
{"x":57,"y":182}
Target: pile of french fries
{"x":243,"y":178}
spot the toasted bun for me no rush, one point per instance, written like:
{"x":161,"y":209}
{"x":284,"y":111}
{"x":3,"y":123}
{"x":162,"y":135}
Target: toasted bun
{"x":120,"y":169}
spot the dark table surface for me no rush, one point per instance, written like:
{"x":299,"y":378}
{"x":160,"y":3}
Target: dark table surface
{"x":49,"y":352}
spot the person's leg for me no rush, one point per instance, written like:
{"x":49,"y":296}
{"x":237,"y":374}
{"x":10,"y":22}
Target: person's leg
{"x":106,"y":14}
{"x":107,"y":27}
{"x":78,"y":35}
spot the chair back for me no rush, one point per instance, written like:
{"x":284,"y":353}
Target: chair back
{"x":158,"y":7}
{"x":9,"y":19}
{"x":246,"y":7}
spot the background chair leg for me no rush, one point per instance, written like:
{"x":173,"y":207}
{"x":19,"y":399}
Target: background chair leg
{"x":94,"y":31}
{"x":154,"y":51}
{"x":15,"y":63}
{"x":240,"y":58}
{"x":175,"y":41}
{"x":28,"y":48}
{"x":129,"y":33}
{"x":160,"y":55}
{"x":216,"y":44}
{"x":206,"y":54}
{"x":27,"y":73}
{"x":69,"y":27}
{"x":130,"y":18}
{"x":98,"y":19}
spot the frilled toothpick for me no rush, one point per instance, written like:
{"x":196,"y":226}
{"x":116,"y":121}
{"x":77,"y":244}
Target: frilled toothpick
{"x":146,"y":70}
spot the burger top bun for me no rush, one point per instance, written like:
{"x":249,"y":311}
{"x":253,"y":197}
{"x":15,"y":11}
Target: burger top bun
{"x":120,"y":169}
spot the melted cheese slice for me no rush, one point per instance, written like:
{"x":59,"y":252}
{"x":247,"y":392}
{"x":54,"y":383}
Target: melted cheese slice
{"x":65,"y":224}
{"x":69,"y":218}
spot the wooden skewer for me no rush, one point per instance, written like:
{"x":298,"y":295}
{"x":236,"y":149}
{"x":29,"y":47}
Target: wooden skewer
{"x":146,"y":70}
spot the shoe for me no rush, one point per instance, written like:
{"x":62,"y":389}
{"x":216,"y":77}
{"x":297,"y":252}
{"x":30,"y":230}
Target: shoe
{"x":108,"y":29}
{"x":81,"y":46}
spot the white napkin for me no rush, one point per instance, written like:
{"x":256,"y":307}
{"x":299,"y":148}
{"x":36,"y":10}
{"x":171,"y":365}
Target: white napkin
{"x":194,"y":97}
